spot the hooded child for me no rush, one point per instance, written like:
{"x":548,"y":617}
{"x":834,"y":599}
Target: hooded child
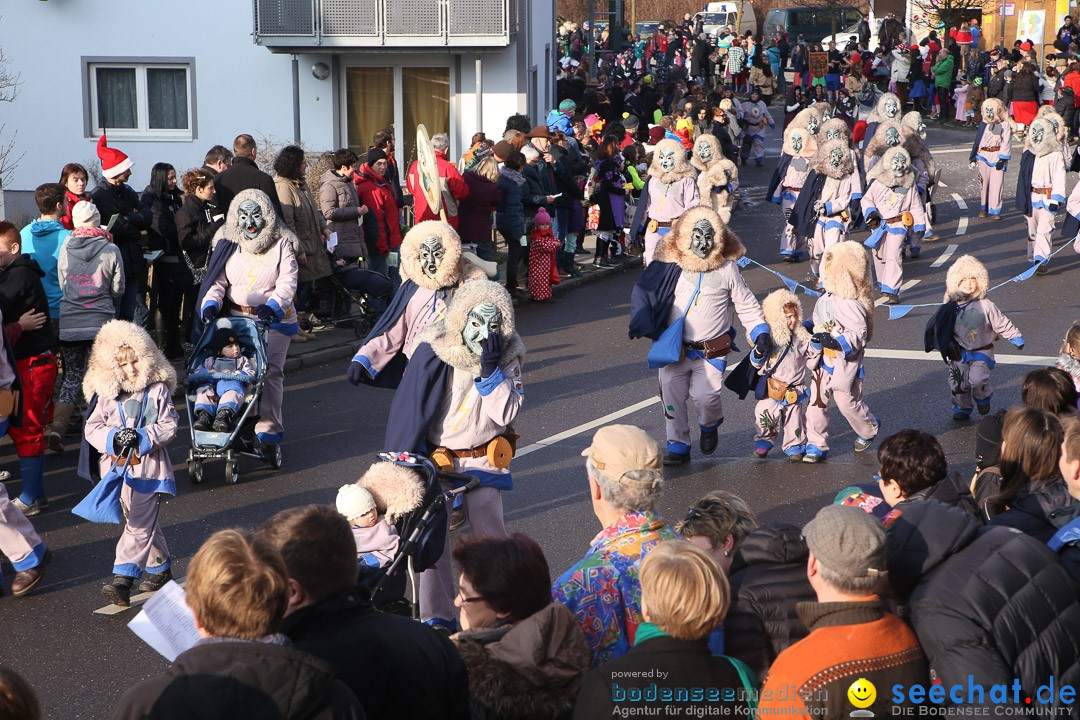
{"x":990,"y":155}
{"x":781,"y":409}
{"x":218,"y":401}
{"x":822,"y":213}
{"x":376,"y":540}
{"x":843,"y":324}
{"x":979,"y":323}
{"x":799,"y":148}
{"x":542,"y":248}
{"x":895,"y":215}
{"x":718,"y":177}
{"x":670,"y":191}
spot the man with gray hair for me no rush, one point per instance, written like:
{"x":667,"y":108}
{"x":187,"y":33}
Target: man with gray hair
{"x":626,"y":478}
{"x":452,"y":184}
{"x":856,"y":648}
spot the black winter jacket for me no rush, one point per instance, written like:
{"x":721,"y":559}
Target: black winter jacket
{"x":396,"y":666}
{"x":162,"y":232}
{"x":132,"y":218}
{"x":195,"y":228}
{"x":21,"y":290}
{"x":539,"y":183}
{"x":244,"y":174}
{"x":768,"y":579}
{"x":227,"y":679}
{"x":989,"y":602}
{"x":1041,"y":514}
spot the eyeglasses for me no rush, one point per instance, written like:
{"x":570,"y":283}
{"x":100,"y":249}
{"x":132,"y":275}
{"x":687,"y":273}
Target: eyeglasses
{"x":466,"y":600}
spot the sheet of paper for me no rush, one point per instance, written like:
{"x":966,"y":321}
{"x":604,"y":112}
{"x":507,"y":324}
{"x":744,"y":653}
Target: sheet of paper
{"x":166,"y":623}
{"x":331,"y":242}
{"x":112,"y":221}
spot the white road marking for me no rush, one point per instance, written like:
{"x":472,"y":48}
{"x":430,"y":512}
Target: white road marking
{"x":945,"y":255}
{"x":960,"y":202}
{"x":961,"y":226}
{"x":883,"y":354}
{"x":584,"y":427}
{"x":906,"y":286}
{"x":942,"y":184}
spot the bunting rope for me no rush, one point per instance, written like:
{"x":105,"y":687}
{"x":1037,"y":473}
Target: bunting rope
{"x":791,"y":284}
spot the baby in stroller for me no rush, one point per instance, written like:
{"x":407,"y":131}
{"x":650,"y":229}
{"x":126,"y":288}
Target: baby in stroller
{"x":217,"y":402}
{"x":376,"y":539}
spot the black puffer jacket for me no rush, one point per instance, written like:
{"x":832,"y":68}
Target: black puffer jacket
{"x":990,"y":602}
{"x":1039,"y":513}
{"x":768,"y":579}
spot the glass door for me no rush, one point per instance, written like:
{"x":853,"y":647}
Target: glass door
{"x":369,"y":105}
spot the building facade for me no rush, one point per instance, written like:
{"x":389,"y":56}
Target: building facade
{"x":167,"y":82}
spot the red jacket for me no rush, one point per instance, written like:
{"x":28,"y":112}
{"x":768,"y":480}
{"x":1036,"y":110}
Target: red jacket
{"x":72,"y":198}
{"x":381,"y":221}
{"x":1072,"y":80}
{"x":458,"y":189}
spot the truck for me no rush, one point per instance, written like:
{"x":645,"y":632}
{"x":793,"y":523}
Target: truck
{"x":716,"y":15}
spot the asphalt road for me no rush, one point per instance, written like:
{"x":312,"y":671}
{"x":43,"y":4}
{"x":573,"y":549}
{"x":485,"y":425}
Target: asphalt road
{"x":581,"y":367}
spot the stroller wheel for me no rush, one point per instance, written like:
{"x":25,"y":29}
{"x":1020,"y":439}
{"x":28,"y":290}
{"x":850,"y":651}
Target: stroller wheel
{"x":232,"y":472}
{"x":195,"y":471}
{"x":274,"y":456}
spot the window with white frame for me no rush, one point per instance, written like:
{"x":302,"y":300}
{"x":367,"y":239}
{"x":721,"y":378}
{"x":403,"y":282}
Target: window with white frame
{"x":141,"y":100}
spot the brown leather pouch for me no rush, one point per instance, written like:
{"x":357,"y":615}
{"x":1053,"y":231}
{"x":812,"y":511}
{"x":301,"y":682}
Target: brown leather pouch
{"x":777,"y":389}
{"x":718,"y":347}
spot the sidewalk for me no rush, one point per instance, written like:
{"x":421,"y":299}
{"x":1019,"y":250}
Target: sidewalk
{"x":338,"y":345}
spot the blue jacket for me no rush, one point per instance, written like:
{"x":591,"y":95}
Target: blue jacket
{"x":510,"y":214}
{"x":41,"y":240}
{"x":557,"y":120}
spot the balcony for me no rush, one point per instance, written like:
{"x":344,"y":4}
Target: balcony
{"x":328,"y":25}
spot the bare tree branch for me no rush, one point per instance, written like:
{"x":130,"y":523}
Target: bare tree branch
{"x":9,"y":90}
{"x":953,"y":12}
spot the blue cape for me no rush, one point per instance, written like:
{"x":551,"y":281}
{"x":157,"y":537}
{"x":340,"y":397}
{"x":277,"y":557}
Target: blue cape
{"x":778,"y":175}
{"x":417,"y":401}
{"x":978,"y":140}
{"x":1023,"y":183}
{"x":803,"y":218}
{"x":222,"y":252}
{"x":637,"y":226}
{"x":652,"y":298}
{"x":390,"y":376}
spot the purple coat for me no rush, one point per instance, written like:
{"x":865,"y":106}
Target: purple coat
{"x":474,"y":212}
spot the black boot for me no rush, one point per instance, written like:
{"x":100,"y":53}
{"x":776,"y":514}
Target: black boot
{"x":571,"y":268}
{"x":223,"y":421}
{"x":709,"y":441}
{"x":203,"y":420}
{"x":118,"y":592}
{"x":155,"y":581}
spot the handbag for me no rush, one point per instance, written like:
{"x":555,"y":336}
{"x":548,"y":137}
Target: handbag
{"x":668,"y":348}
{"x":102,"y":503}
{"x":764,"y":386}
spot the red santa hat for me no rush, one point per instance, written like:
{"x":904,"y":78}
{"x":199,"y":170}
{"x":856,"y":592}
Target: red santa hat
{"x":113,"y":162}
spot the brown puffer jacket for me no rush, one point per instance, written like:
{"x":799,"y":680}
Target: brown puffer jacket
{"x":300,"y":213}
{"x":341,"y":208}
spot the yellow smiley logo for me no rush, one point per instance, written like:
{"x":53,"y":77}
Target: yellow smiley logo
{"x":862,"y":693}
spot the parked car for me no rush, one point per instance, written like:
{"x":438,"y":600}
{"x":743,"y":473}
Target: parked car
{"x":813,"y":23}
{"x":718,"y":14}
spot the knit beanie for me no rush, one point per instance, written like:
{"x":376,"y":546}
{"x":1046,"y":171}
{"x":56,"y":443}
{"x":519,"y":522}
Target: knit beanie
{"x":374,"y":155}
{"x":542,"y":218}
{"x":354,"y":501}
{"x":85,"y":214}
{"x":222,"y":337}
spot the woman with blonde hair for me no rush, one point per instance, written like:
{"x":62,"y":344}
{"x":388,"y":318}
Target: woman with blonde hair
{"x":475,"y":210}
{"x":684,"y":597}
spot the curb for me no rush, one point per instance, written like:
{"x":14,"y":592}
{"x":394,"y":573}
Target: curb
{"x":341,"y":351}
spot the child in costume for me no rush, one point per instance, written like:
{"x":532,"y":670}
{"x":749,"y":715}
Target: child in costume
{"x":990,"y":155}
{"x":376,"y":539}
{"x":783,"y":408}
{"x":822,"y":212}
{"x":799,"y":149}
{"x":542,"y":248}
{"x":1069,"y":359}
{"x":894,"y":213}
{"x":757,"y":116}
{"x":843,"y":325}
{"x":1040,"y":189}
{"x":130,"y":424}
{"x":979,"y":323}
{"x":718,"y":177}
{"x":218,"y":402}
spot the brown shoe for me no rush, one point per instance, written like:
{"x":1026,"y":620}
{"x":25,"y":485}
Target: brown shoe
{"x":982,"y":213}
{"x":26,"y":580}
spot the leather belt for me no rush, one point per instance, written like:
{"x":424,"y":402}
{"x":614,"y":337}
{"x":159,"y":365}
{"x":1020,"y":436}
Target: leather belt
{"x":697,"y":345}
{"x":477,"y":452}
{"x":246,"y":309}
{"x":661,"y":223}
{"x":119,"y":460}
{"x":991,"y":149}
{"x":1042,"y":191}
{"x":788,"y":187}
{"x":894,"y":219}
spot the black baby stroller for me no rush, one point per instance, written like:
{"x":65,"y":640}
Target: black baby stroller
{"x":350,"y":297}
{"x":422,"y":530}
{"x":240,"y":440}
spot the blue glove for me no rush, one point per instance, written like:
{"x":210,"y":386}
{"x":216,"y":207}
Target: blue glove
{"x":209,"y":313}
{"x":266,"y":314}
{"x":1018,"y":342}
{"x":772,"y":126}
{"x":1001,"y":165}
{"x":357,"y":372}
{"x":763,"y":345}
{"x":491,"y":352}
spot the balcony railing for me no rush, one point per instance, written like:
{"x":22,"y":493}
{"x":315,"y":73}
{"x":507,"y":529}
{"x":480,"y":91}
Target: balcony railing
{"x":329,"y":24}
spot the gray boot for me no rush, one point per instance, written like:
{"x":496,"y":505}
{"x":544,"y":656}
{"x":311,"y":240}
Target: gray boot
{"x":54,"y":434}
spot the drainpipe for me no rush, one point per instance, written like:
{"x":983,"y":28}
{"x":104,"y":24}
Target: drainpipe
{"x":296,"y":99}
{"x":479,"y":94}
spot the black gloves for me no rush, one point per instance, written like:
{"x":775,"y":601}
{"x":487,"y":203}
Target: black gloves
{"x":123,"y":439}
{"x":357,"y":371}
{"x":763,"y":346}
{"x":491,"y":352}
{"x":1001,"y":164}
{"x":266,"y":314}
{"x":1054,"y":207}
{"x":209,"y":313}
{"x":873,"y":219}
{"x":824,"y":339}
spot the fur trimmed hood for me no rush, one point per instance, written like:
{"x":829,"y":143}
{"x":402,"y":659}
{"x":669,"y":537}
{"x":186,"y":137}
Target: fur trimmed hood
{"x":823,"y":166}
{"x":275,"y":230}
{"x":675,"y":246}
{"x":845,"y":272}
{"x":103,"y":377}
{"x":1049,"y":143}
{"x":917,"y":149}
{"x":803,"y":117}
{"x":683,"y":168}
{"x":836,"y":127}
{"x":444,"y":336}
{"x":809,"y":144}
{"x":450,"y":269}
{"x":966,"y":266}
{"x":773,"y":308}
{"x":717,"y":152}
{"x":878,"y":113}
{"x":876,"y":146}
{"x":913,"y":121}
{"x":532,"y":668}
{"x":1001,"y":115}
{"x":883,"y":173}
{"x":718,"y":175}
{"x":1060,"y":129}
{"x":396,"y":489}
